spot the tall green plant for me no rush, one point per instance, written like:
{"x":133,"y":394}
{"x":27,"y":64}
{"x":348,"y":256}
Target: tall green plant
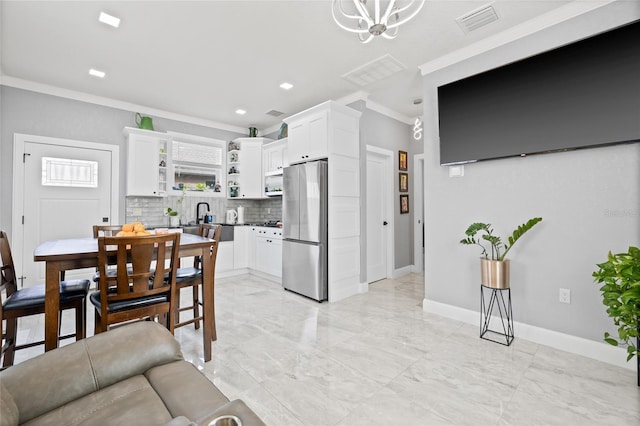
{"x":620,"y":275}
{"x":495,"y":242}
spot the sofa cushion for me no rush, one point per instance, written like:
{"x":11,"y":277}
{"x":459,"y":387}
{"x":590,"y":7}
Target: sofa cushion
{"x":86,"y":366}
{"x":40,"y":384}
{"x":184,"y":390}
{"x":10,"y":415}
{"x":128,"y":402}
{"x":139,"y":347}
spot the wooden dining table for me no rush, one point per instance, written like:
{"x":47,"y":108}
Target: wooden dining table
{"x":78,"y":253}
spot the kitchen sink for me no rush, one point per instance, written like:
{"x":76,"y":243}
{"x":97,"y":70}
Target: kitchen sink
{"x":225,"y":235}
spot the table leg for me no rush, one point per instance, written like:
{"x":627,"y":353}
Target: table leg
{"x":52,"y":305}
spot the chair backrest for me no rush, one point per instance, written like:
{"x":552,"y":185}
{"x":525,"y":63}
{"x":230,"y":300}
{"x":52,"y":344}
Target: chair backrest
{"x":8,"y":281}
{"x":140,"y":279}
{"x":213,"y":232}
{"x":106,"y":230}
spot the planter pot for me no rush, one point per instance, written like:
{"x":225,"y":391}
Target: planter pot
{"x":174,"y":220}
{"x":494,"y":273}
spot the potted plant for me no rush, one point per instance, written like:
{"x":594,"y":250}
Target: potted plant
{"x":620,"y":275}
{"x":495,"y":268}
{"x":174,"y":220}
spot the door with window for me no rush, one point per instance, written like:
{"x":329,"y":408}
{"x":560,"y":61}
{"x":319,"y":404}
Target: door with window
{"x":66,"y":189}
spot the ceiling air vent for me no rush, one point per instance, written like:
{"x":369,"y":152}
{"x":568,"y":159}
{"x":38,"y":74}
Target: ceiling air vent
{"x":477,"y":18}
{"x":375,"y":70}
{"x":274,"y":113}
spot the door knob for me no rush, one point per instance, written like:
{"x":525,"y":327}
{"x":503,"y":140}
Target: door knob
{"x":385,"y":223}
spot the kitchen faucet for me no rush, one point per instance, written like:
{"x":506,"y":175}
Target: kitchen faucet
{"x":198,"y":217}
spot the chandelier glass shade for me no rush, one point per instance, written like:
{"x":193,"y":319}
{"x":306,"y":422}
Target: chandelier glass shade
{"x":374,"y":17}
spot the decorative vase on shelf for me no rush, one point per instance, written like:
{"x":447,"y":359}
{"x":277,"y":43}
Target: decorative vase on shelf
{"x":174,"y":220}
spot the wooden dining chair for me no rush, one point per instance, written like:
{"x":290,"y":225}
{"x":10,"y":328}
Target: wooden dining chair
{"x":137,"y":290}
{"x":30,"y":300}
{"x":192,"y":277}
{"x":104,"y":231}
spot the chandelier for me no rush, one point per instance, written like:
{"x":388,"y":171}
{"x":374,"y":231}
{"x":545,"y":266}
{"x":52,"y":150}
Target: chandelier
{"x":374,"y":17}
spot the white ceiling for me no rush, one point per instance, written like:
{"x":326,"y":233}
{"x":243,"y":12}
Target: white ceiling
{"x":205,"y":59}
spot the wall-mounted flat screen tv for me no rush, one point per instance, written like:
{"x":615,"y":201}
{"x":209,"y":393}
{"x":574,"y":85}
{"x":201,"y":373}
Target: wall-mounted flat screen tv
{"x":585,"y":94}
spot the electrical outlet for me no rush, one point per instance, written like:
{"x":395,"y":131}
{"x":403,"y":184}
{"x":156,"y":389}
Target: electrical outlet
{"x":137,"y":211}
{"x":268,"y":210}
{"x":565,"y":295}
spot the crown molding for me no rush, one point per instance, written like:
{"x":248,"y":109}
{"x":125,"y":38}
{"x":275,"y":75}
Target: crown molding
{"x":113,"y":103}
{"x":360,"y":95}
{"x":374,"y":106}
{"x":19,"y":83}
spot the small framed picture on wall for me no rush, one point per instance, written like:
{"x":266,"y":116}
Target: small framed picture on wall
{"x":404,"y":203}
{"x":402,"y":160}
{"x":404,"y":182}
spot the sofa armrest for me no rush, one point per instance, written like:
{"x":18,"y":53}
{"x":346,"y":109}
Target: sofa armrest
{"x":236,"y":408}
{"x":57,"y":377}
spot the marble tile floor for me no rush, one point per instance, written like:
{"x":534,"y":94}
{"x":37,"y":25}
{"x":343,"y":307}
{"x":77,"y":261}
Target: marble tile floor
{"x":377,"y":358}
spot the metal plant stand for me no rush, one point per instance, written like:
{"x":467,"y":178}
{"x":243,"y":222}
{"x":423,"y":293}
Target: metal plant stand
{"x":496,"y":300}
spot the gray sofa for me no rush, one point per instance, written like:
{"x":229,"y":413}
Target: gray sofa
{"x":131,"y":375}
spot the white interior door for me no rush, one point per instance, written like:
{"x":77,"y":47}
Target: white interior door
{"x":378,"y":217}
{"x":66,"y":190}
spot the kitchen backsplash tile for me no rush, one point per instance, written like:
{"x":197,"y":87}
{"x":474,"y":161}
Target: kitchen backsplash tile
{"x":152,"y":209}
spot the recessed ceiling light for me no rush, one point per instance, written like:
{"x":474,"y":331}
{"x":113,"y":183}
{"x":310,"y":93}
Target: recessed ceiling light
{"x":105,"y":18}
{"x":97,"y":73}
{"x":286,"y":86}
{"x":241,"y":112}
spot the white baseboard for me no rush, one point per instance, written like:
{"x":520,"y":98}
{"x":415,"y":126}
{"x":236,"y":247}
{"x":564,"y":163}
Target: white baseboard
{"x":597,"y":350}
{"x":415,"y":269}
{"x":231,"y":273}
{"x":401,"y":272}
{"x":342,"y":290}
{"x":273,"y":278}
{"x":363,"y":288}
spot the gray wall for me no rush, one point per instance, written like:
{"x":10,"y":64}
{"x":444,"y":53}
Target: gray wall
{"x":589,"y":199}
{"x":39,"y":114}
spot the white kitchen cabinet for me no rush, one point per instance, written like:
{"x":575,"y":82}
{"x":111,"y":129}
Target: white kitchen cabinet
{"x":224,"y":258}
{"x":147,"y":162}
{"x":268,"y":257}
{"x":274,"y":160}
{"x":275,"y":267}
{"x":251,"y":176}
{"x":251,"y":247}
{"x":241,"y":247}
{"x":262,"y":253}
{"x":275,"y":156}
{"x":308,"y":137}
{"x":245,"y":176}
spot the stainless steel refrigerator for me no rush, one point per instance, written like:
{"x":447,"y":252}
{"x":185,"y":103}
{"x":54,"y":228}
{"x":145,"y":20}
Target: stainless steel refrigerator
{"x":304,"y":217}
